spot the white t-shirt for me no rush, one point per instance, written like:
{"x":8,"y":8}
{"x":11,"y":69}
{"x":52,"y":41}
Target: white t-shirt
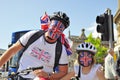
{"x":110,"y":67}
{"x":91,"y":75}
{"x":40,"y":53}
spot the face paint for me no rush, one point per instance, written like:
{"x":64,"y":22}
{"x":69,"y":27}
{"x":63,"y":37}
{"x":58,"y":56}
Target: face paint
{"x":85,"y":58}
{"x":56,"y":29}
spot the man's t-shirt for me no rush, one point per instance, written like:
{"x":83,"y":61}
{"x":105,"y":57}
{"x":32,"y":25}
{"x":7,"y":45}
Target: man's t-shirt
{"x":40,"y":53}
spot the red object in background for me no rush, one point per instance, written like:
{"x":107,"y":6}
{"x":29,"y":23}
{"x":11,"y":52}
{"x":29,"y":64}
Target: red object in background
{"x":45,"y":21}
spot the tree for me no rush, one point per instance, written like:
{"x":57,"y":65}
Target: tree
{"x":101,"y":50}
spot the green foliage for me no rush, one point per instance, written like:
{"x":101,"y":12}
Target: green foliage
{"x":101,"y":50}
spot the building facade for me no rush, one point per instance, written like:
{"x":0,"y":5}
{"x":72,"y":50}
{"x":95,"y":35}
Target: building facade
{"x":76,"y":40}
{"x":117,"y":22}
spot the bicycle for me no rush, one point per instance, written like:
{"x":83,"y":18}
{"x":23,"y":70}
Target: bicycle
{"x":13,"y":76}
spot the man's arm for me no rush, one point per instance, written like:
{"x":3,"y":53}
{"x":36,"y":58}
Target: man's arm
{"x":10,"y":52}
{"x":63,"y":70}
{"x":100,"y":73}
{"x":113,"y":69}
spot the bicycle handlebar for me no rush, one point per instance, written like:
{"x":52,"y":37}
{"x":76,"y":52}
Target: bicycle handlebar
{"x":25,"y":71}
{"x":34,"y":68}
{"x":28,"y":70}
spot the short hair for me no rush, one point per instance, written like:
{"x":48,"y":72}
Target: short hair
{"x":109,"y":50}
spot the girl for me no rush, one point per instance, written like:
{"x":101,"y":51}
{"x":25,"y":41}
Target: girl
{"x":87,"y":69}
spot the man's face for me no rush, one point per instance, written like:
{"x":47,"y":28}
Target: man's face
{"x":56,"y":28}
{"x":85,"y":58}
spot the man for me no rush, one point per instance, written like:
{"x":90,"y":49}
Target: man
{"x":42,"y":51}
{"x":110,"y":68}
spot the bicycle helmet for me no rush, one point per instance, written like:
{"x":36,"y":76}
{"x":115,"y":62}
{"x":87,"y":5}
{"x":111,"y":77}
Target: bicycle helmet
{"x":61,"y":17}
{"x":86,"y":47}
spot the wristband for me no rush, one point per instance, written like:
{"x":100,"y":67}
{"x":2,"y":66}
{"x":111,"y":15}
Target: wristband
{"x":50,"y":77}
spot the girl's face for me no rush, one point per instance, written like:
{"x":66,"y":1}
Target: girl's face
{"x":85,"y":58}
{"x":56,"y":28}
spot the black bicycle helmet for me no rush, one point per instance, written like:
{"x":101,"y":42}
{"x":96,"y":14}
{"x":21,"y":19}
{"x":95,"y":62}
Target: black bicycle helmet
{"x":61,"y":17}
{"x":86,"y":47}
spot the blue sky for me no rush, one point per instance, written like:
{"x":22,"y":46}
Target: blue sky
{"x":16,"y":15}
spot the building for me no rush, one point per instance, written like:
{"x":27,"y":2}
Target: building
{"x":117,"y":22}
{"x":2,"y":51}
{"x":76,"y":40}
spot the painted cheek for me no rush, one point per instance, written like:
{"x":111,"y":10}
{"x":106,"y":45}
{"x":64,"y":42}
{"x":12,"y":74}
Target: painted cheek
{"x":56,"y":35}
{"x":53,"y":35}
{"x":49,"y":33}
{"x":85,"y":60}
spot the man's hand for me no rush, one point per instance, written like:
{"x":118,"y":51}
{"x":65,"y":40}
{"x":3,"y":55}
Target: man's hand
{"x":41,"y":73}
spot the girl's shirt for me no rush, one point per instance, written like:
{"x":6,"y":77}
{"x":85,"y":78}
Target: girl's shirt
{"x":89,"y":76}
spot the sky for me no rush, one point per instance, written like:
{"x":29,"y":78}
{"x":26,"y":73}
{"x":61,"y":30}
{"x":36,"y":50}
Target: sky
{"x":17,"y":15}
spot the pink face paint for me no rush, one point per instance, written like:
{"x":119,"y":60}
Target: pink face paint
{"x":85,"y":58}
{"x":56,"y":29}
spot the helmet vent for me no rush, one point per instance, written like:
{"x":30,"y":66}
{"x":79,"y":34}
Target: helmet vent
{"x":91,"y":47}
{"x":82,"y":46}
{"x":64,"y":15}
{"x":86,"y":45}
{"x":94,"y":48}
